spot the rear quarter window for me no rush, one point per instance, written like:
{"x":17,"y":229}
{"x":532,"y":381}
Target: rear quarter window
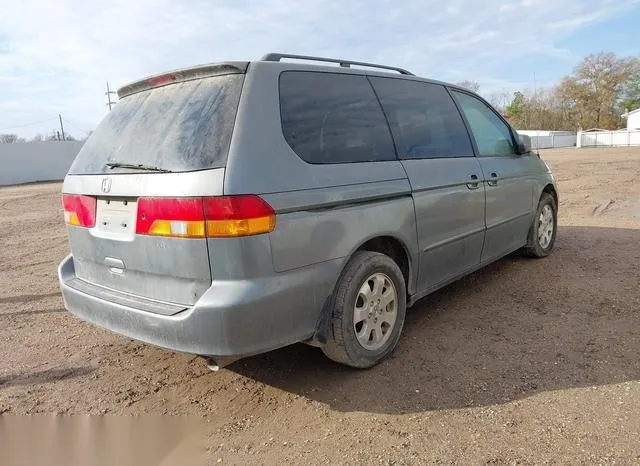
{"x":424,"y":119}
{"x":333,"y":118}
{"x":180,"y":127}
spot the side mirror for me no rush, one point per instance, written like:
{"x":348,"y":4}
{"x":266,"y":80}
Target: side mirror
{"x":524,"y":143}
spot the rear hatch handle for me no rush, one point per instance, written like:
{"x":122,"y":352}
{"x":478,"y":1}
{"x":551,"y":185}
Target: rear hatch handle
{"x":114,"y":265}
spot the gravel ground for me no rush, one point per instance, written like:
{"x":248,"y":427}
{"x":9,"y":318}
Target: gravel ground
{"x":526,"y":361}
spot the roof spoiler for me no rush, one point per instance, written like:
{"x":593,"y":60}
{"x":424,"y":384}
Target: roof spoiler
{"x":184,"y":74}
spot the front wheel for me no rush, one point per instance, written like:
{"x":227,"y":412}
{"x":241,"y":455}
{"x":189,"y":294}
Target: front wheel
{"x":542,"y":235}
{"x":367,"y":311}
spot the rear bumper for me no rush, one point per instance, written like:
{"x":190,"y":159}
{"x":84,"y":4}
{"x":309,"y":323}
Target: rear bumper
{"x":232,"y":319}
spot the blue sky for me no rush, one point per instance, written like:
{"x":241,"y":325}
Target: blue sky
{"x":55,"y":57}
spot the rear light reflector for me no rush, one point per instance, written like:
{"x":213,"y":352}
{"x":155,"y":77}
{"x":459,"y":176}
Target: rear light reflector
{"x":79,"y":210}
{"x":212,"y":217}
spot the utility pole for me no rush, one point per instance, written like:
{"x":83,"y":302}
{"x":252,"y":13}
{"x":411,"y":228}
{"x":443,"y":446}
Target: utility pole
{"x":61,"y":127}
{"x":535,"y":96}
{"x":108,"y":94}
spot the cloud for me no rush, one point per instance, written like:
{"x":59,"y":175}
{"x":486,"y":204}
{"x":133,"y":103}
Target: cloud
{"x":55,"y":57}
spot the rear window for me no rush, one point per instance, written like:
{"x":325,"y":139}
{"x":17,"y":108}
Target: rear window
{"x":333,"y":118}
{"x":424,"y":119}
{"x":180,"y":127}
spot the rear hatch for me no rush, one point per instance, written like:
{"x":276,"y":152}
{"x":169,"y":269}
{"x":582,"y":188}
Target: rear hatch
{"x":136,"y":195}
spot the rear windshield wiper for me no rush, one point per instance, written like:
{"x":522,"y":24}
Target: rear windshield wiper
{"x":137,"y":166}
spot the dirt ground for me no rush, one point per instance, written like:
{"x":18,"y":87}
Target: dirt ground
{"x":526,"y":361}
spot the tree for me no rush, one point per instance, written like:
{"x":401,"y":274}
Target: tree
{"x":592,"y":93}
{"x":543,"y":110}
{"x":595,"y":95}
{"x":470,"y":85}
{"x":631,"y":89}
{"x":499,"y":101}
{"x":8,"y":138}
{"x":516,"y":107}
{"x":37,"y":138}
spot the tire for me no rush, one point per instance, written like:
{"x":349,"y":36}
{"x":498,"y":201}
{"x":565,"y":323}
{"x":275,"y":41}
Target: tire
{"x":541,"y":245}
{"x":364,"y":343}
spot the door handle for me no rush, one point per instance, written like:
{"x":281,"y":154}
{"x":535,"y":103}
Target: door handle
{"x":493,"y":179}
{"x":475,"y":183}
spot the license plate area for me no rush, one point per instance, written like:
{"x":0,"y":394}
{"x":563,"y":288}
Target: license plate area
{"x":116,"y":218}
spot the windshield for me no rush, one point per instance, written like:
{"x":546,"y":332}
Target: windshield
{"x":180,"y":127}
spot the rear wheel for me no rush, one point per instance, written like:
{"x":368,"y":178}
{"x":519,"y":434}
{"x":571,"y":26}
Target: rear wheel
{"x":367,"y":311}
{"x":542,"y":235}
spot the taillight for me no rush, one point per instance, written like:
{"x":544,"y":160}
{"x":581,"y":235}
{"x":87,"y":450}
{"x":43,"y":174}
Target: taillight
{"x":170,"y":217}
{"x":229,"y":216}
{"x":211,"y":217}
{"x":79,"y":210}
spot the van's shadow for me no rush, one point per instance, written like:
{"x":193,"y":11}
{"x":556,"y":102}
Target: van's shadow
{"x":513,"y":329}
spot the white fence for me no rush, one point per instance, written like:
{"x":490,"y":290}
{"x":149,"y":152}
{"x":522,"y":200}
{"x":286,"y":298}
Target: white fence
{"x":36,"y":161}
{"x":553,"y":141}
{"x":609,"y":138}
{"x":550,"y":139}
{"x":545,"y":132}
{"x":557,"y":139}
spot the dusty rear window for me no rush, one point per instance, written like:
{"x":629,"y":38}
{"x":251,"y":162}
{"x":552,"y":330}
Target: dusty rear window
{"x":180,"y":127}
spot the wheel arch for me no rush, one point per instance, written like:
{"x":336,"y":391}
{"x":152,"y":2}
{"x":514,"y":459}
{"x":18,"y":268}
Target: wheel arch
{"x":551,"y":189}
{"x":384,"y":243}
{"x":393,"y":247}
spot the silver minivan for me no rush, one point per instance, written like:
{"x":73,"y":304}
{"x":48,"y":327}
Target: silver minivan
{"x":230,"y":209}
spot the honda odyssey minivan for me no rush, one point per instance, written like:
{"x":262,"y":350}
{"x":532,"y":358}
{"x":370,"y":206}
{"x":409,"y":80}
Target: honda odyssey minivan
{"x":230,"y":209}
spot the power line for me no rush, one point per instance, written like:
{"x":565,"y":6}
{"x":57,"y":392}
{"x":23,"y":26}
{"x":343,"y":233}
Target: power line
{"x":28,"y":124}
{"x":74,"y":125}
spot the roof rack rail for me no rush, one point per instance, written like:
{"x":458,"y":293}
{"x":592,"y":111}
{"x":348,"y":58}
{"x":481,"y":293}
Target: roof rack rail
{"x":342,"y":63}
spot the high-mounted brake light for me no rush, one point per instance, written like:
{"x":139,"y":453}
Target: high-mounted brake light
{"x":211,"y":217}
{"x":160,"y":80}
{"x":79,"y":210}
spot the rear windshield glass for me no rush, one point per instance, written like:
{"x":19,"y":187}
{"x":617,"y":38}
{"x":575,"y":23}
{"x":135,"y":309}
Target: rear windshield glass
{"x":180,"y":127}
